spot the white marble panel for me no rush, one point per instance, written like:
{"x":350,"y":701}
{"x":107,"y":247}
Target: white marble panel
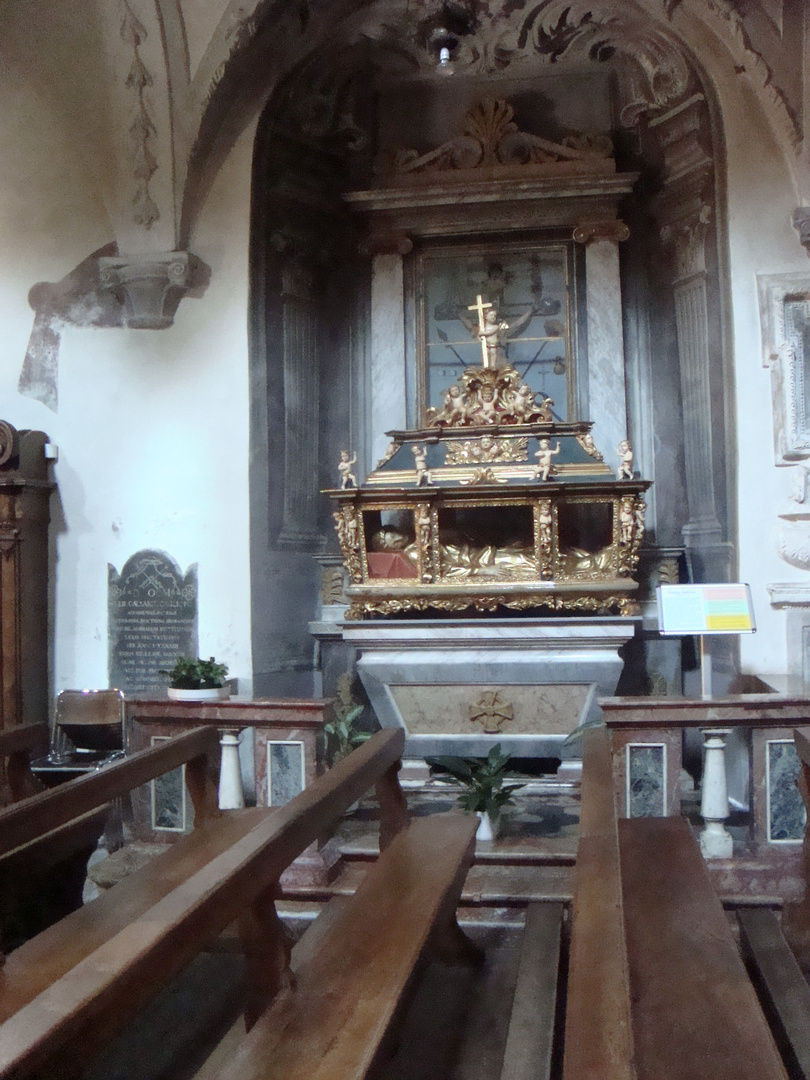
{"x":387,"y":390}
{"x":495,"y":653}
{"x":606,"y":392}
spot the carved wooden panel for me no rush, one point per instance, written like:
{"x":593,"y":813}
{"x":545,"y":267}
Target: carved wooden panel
{"x":24,"y":515}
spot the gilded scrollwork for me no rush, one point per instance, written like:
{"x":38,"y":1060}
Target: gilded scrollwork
{"x":631,"y":532}
{"x":424,"y":531}
{"x":483,"y":476}
{"x":543,"y":526}
{"x":599,"y":605}
{"x":348,"y":532}
{"x":586,"y":442}
{"x":486,"y":449}
{"x":491,"y":395}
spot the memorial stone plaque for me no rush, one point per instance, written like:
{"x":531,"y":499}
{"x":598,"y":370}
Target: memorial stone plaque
{"x":152,"y":618}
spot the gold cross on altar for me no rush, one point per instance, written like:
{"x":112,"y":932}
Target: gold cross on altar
{"x":480,"y":306}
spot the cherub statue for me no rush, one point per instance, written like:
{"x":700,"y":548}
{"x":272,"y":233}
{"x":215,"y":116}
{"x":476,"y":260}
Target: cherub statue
{"x":544,"y":456}
{"x":347,"y":477}
{"x":486,"y":411}
{"x":454,"y":411}
{"x":625,"y":469}
{"x":420,"y":464}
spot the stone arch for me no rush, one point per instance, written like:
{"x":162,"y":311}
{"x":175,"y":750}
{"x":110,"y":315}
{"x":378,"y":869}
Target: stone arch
{"x":670,"y":108}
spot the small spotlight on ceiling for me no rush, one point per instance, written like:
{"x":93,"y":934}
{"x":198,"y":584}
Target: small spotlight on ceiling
{"x":445,"y":63}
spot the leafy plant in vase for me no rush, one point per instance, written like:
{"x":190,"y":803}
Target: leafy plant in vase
{"x":483,"y":779}
{"x":195,"y":679}
{"x":341,"y":736}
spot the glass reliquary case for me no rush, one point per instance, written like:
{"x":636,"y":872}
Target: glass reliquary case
{"x":495,"y":503}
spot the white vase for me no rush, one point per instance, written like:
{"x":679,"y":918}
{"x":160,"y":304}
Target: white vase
{"x":212,"y":693}
{"x":488,"y":828}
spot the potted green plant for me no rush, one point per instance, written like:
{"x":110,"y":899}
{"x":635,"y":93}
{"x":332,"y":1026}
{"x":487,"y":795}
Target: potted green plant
{"x":195,"y":679}
{"x":341,"y":736}
{"x":483,"y":779}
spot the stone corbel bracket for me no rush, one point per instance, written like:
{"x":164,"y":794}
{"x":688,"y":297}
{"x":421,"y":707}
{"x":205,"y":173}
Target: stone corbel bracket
{"x":151,"y":286}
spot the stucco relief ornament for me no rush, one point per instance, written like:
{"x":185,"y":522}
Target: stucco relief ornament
{"x":492,"y":711}
{"x":793,"y":533}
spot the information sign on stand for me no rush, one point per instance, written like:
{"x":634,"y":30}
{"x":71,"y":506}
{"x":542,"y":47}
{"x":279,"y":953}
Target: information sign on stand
{"x":703,"y":610}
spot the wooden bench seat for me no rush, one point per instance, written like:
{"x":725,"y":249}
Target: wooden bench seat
{"x":598,"y":1035}
{"x":66,"y":992}
{"x":695,"y":1014}
{"x":61,"y":826}
{"x":780,"y":984}
{"x":332,"y":1021}
{"x":530,"y":1039}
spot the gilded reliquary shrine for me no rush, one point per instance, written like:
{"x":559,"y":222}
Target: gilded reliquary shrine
{"x":496,"y":504}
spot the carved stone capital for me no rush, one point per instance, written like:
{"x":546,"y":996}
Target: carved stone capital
{"x":687,"y":239}
{"x":151,"y":286}
{"x":297,"y":280}
{"x":386,"y":242}
{"x":801,"y":223}
{"x":602,"y":229}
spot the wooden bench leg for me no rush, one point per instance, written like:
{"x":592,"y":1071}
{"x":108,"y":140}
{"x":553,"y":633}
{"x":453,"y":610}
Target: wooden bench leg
{"x":450,"y":944}
{"x":394,"y":814}
{"x":267,"y":948}
{"x":202,"y":789}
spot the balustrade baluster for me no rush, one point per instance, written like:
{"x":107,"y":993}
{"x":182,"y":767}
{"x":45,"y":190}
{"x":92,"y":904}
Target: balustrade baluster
{"x":715,"y":840}
{"x":231,"y":794}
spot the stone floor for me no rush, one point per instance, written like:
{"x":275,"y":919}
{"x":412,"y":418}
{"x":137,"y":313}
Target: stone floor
{"x":531,"y":859}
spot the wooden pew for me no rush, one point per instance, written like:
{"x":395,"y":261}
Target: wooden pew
{"x":17,"y":746}
{"x":530,"y":1039}
{"x":68,"y":990}
{"x":695,"y":1013}
{"x":60,"y":827}
{"x":598,"y":1035}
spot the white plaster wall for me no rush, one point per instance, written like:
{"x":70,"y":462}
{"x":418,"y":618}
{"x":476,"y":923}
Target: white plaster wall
{"x":761,"y":200}
{"x":154,"y":451}
{"x":201,"y":18}
{"x":152,"y":426}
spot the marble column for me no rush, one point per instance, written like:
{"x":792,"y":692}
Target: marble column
{"x":301,"y":404}
{"x":387,"y":392}
{"x":692,"y":325}
{"x":607,"y":403}
{"x":685,"y":210}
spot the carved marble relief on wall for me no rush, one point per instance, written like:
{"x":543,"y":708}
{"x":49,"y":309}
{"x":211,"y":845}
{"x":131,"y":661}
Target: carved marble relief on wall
{"x":784,"y":302}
